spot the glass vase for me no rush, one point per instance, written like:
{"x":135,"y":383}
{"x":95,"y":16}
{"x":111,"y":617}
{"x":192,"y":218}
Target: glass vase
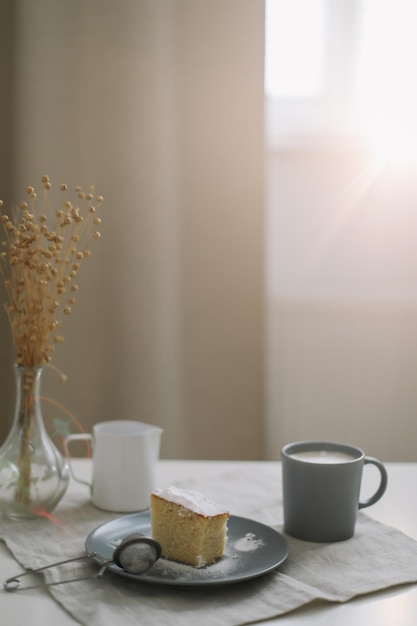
{"x":33,"y":474}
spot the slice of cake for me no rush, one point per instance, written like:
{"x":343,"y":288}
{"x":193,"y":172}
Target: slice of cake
{"x":188,"y":526}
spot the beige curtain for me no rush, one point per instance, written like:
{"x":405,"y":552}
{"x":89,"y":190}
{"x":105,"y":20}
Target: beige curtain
{"x":159,"y":103}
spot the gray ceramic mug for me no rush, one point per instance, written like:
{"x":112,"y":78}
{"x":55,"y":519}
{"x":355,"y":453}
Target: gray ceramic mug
{"x":321,"y":483}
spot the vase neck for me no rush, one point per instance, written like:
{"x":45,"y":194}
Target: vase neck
{"x":30,"y":377}
{"x":28,"y":392}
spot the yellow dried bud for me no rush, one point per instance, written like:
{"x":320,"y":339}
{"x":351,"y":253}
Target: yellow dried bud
{"x":67,"y":310}
{"x":63,"y":187}
{"x":23,"y":205}
{"x":96,"y":235}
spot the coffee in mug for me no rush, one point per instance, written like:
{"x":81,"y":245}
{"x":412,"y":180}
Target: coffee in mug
{"x":322,"y":456}
{"x":321,"y":489}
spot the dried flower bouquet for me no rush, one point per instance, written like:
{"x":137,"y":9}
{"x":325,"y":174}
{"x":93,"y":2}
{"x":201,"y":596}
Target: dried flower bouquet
{"x":41,"y":255}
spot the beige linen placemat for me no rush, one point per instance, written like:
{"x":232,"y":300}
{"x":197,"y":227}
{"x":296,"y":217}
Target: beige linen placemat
{"x":377,"y":557}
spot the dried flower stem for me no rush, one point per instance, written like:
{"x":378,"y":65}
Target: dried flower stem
{"x":26,"y":415}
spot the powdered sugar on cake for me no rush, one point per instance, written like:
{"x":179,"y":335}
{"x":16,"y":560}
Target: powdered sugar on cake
{"x":190,"y":499}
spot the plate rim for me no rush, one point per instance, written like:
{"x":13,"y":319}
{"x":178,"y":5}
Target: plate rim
{"x":227,"y":579}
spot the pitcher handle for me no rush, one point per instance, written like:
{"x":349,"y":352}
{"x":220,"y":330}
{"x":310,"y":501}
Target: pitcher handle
{"x":67,"y":440}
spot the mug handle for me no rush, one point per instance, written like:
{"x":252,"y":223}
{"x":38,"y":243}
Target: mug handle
{"x":67,"y":440}
{"x":382,"y":485}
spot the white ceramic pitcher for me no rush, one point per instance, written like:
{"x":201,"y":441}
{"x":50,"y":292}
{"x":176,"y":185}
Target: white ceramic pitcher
{"x":125,"y":453}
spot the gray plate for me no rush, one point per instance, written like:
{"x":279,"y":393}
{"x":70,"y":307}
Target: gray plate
{"x":252,"y":549}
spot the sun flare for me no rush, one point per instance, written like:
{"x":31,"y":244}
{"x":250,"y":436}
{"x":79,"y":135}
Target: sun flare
{"x":393,"y":144}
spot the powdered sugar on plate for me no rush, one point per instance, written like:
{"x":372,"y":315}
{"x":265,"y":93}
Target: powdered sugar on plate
{"x":187,"y":573}
{"x":248,"y":543}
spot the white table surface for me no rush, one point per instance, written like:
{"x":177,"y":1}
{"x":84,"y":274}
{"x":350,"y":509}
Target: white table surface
{"x":396,"y":606}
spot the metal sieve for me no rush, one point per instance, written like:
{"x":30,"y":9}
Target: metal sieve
{"x":135,"y":554}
